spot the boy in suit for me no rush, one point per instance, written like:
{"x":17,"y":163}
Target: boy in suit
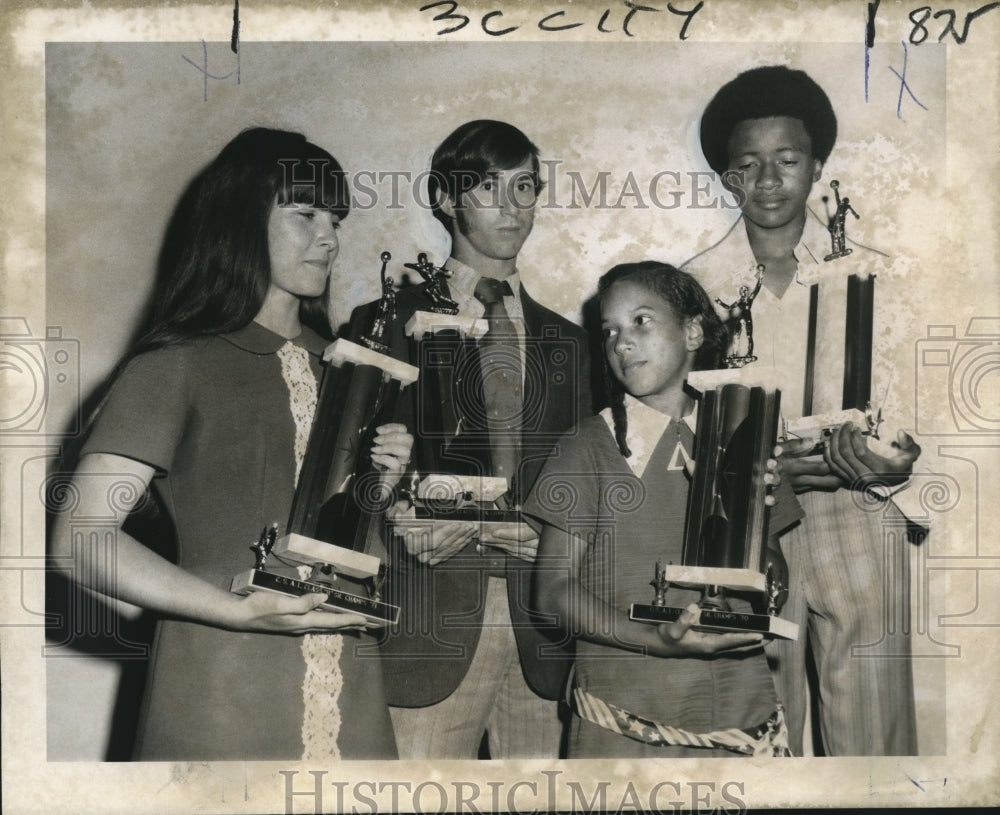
{"x":468,"y":657}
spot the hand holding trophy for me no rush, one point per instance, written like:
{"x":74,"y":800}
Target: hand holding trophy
{"x":341,"y":490}
{"x":725,"y":545}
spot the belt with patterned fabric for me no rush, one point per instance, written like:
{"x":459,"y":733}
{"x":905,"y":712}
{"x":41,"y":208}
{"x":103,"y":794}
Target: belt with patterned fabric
{"x":767,"y":739}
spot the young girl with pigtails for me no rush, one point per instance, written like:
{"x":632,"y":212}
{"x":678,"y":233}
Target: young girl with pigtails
{"x":610,"y":503}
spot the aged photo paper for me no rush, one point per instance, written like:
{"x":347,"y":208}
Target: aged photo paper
{"x":110,"y":109}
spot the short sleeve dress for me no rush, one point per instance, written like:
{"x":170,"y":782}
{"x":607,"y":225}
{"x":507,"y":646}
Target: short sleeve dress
{"x":628,"y":522}
{"x":215,"y":417}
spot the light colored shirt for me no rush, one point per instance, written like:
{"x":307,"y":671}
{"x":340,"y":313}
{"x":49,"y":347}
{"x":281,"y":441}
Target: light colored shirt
{"x":646,"y":427}
{"x":780,"y":324}
{"x":462,"y":288}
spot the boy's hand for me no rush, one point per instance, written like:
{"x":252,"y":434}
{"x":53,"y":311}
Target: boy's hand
{"x":848,"y":455}
{"x":772,"y":477}
{"x":433,"y":544}
{"x":804,"y":470}
{"x":519,"y":540}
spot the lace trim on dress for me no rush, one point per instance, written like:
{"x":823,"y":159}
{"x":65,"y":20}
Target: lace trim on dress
{"x":323,"y":681}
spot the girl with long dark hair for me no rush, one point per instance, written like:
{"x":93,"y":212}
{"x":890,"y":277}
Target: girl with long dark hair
{"x":210,"y":414}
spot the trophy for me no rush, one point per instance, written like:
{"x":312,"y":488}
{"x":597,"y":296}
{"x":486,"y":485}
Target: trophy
{"x":473,"y":501}
{"x":727,"y":520}
{"x":434,"y":277}
{"x":856,"y":398}
{"x":838,"y":224}
{"x":741,"y":324}
{"x":339,"y":499}
{"x":820,"y":426}
{"x":452,"y":486}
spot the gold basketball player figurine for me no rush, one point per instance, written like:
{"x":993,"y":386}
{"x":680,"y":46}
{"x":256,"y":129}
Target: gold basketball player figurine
{"x":838,"y":232}
{"x":434,"y":277}
{"x":740,"y":352}
{"x":385,"y":313}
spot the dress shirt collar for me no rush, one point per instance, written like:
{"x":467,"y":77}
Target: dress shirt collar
{"x":646,"y":427}
{"x":462,"y":286}
{"x":256,"y":339}
{"x":814,"y":245}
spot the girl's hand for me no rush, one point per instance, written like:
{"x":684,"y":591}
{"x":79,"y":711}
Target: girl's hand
{"x":391,"y":452}
{"x":682,"y":640}
{"x":805,"y":469}
{"x":270,"y":613}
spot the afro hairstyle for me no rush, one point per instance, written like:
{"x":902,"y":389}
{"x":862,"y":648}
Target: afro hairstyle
{"x":760,"y":93}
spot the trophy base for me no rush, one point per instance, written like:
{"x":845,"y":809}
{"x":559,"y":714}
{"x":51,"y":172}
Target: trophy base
{"x":718,"y":621}
{"x":341,"y":351}
{"x":698,"y":576}
{"x":739,"y":362}
{"x":422,"y":519}
{"x":819,"y":426}
{"x":307,"y":551}
{"x":842,"y":253}
{"x":374,"y":611}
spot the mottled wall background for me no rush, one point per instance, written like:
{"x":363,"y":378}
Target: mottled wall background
{"x":101,"y":137}
{"x":128,"y":125}
{"x":617,"y":123}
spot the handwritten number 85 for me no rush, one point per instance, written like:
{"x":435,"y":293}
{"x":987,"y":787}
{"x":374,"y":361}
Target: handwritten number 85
{"x":919,"y":17}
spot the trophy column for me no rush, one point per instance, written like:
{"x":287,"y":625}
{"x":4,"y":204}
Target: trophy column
{"x":727,"y":519}
{"x":444,"y":344}
{"x":339,"y":495}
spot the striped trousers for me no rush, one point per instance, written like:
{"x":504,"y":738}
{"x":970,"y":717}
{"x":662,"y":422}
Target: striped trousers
{"x":849,"y":593}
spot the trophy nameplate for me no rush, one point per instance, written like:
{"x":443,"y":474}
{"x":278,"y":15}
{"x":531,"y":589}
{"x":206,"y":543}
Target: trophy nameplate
{"x":374,"y":611}
{"x":708,"y":619}
{"x":339,"y":495}
{"x":727,"y":519}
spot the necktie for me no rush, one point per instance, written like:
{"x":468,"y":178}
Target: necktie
{"x":500,"y":360}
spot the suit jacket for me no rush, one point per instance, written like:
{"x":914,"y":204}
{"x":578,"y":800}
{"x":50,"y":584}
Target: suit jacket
{"x":428,"y":653}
